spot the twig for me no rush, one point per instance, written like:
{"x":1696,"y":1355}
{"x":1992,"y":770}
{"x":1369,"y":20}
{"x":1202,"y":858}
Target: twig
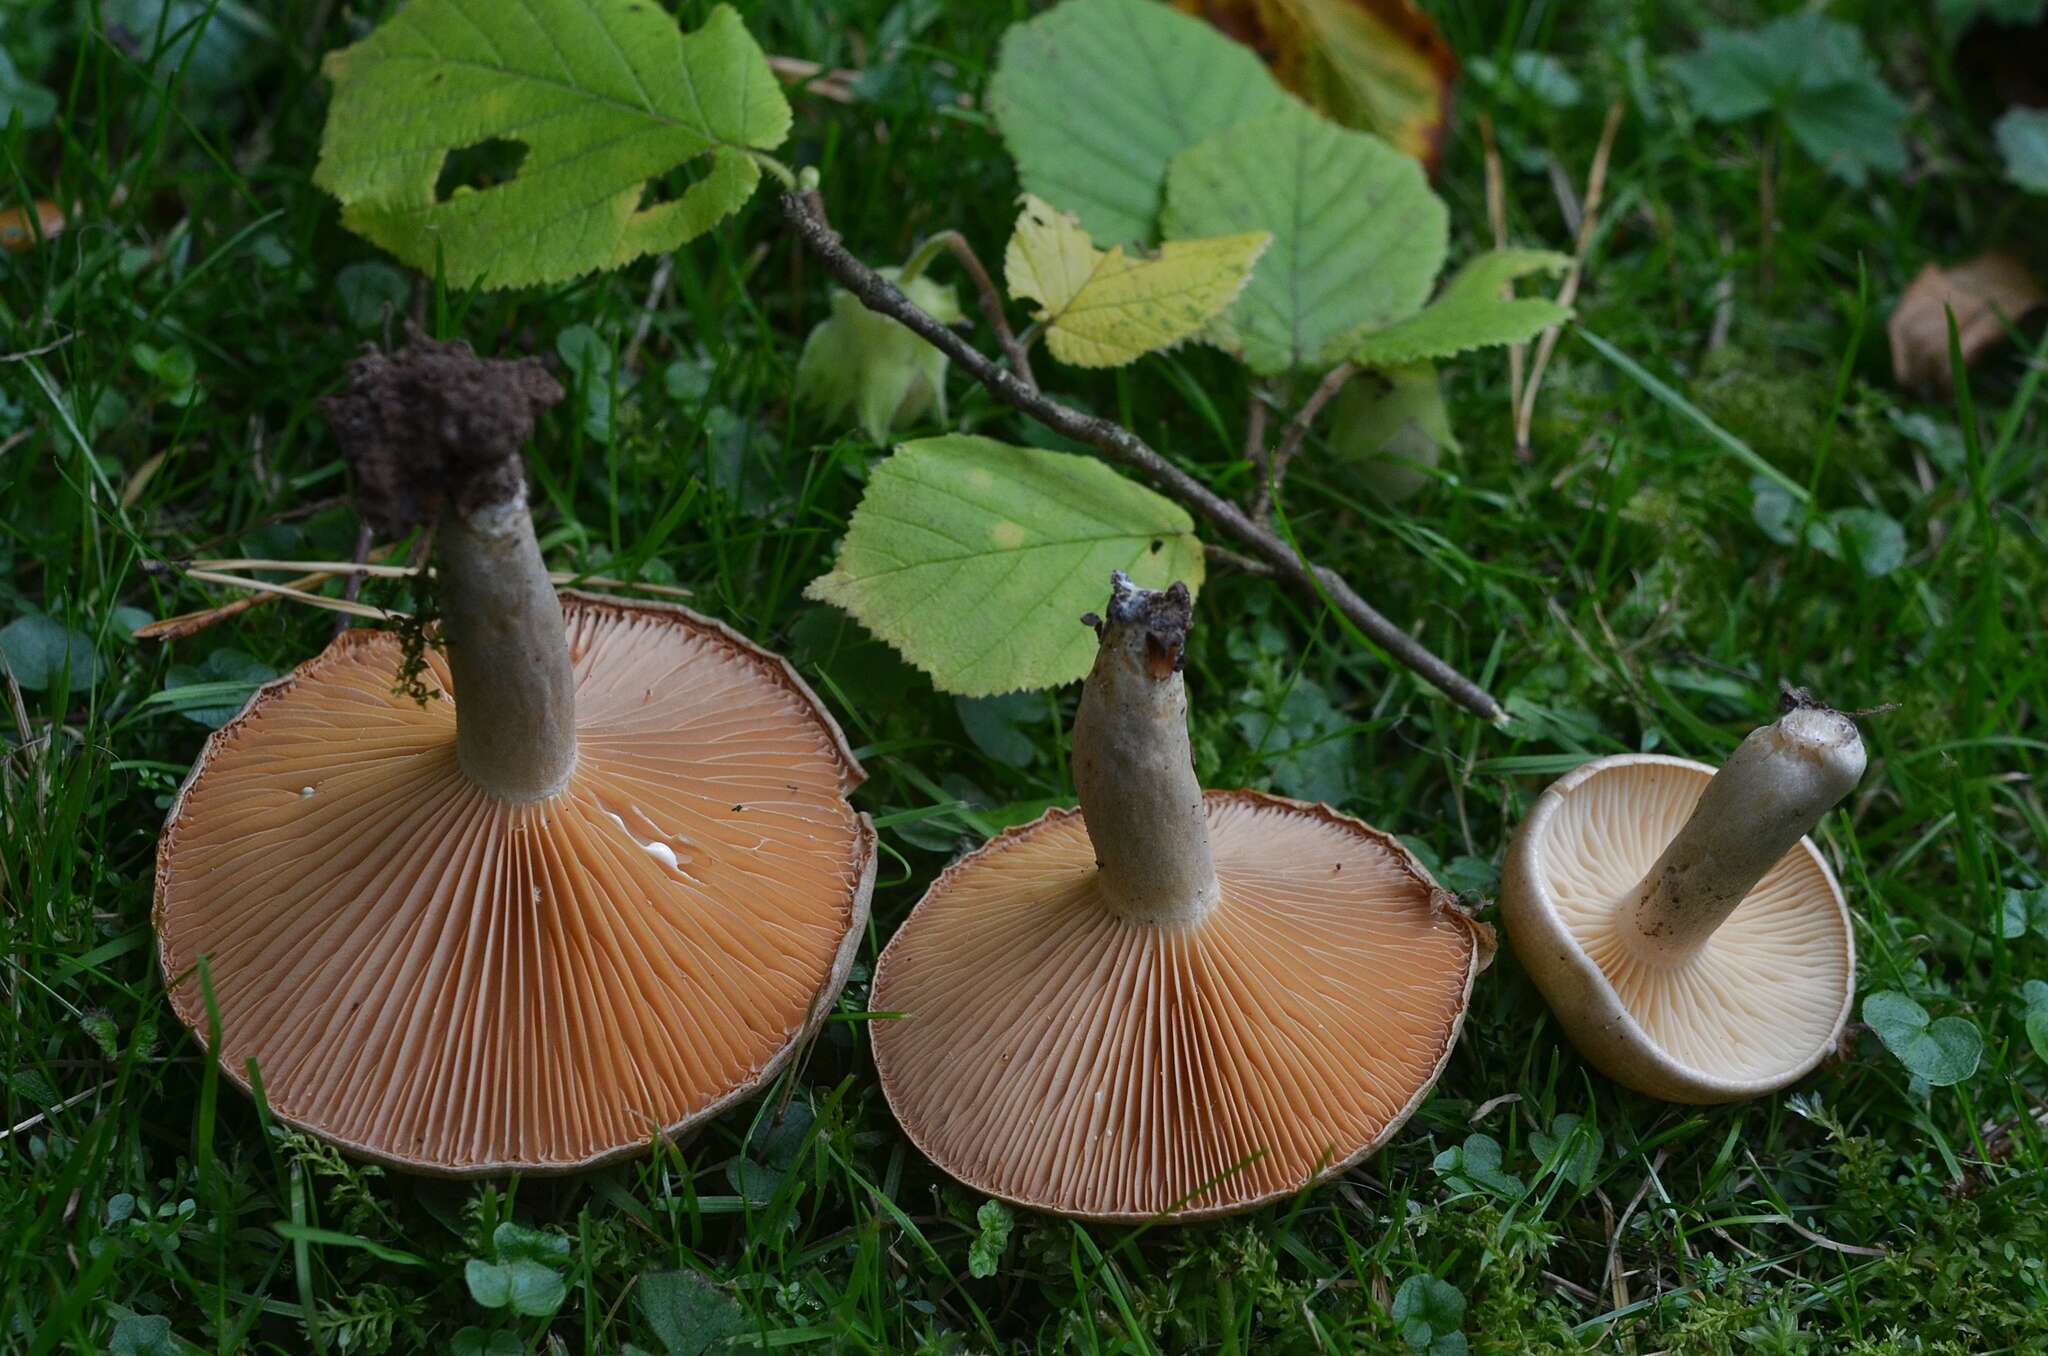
{"x":1255,"y":435}
{"x":1596,"y":185}
{"x":1224,"y":556}
{"x":956,"y":245}
{"x":354,"y":586}
{"x":1497,"y":215}
{"x":806,"y":213}
{"x":663,"y":271}
{"x":1297,"y":430}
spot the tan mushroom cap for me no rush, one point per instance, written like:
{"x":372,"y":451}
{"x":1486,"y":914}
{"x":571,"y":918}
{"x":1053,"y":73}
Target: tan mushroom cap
{"x":1060,"y":1057}
{"x":1757,"y":1005}
{"x":457,"y":984}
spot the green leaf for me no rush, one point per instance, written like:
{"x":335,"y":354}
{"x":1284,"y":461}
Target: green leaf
{"x":688,"y":1314}
{"x":1476,"y":1165}
{"x":976,"y":559}
{"x":1940,"y":1053}
{"x":1814,"y":71}
{"x":1095,"y":97}
{"x":603,"y":95}
{"x":237,"y":676}
{"x":1394,"y":428}
{"x":996,"y":725}
{"x":2024,"y":909}
{"x":1304,"y":744}
{"x":863,"y":364}
{"x":39,"y":651}
{"x":2034,"y":994}
{"x":474,"y":1341}
{"x":2023,"y":140}
{"x":1357,"y":236}
{"x":1429,"y":1312}
{"x":371,"y":291}
{"x":36,"y":104}
{"x":1471,"y":313}
{"x":986,"y":1252}
{"x":1874,"y":540}
{"x":142,"y":1335}
{"x":1106,"y":308}
{"x":1572,"y":1148}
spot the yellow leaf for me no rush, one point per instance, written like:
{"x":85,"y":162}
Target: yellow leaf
{"x":1105,"y":309}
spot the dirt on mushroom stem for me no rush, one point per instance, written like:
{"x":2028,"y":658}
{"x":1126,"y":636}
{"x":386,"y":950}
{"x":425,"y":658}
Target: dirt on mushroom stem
{"x":1766,"y":797}
{"x":1133,"y":765}
{"x":432,"y":434}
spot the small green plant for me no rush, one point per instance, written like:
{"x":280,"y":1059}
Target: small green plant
{"x":1939,"y":1052}
{"x":522,"y":1273}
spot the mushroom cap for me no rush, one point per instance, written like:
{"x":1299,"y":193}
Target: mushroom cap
{"x":455,"y":984}
{"x":1757,"y":1006}
{"x":1062,"y":1058}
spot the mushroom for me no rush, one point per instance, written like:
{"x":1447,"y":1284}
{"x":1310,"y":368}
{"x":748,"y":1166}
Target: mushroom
{"x":599,"y":883}
{"x":1692,"y":941}
{"x":1169,"y":1002}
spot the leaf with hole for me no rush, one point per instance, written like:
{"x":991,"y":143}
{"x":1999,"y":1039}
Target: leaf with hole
{"x":1358,"y":238}
{"x":1105,"y":308}
{"x":976,"y":559}
{"x":1470,"y":313}
{"x":599,"y":100}
{"x":1095,"y":97}
{"x":1940,"y":1053}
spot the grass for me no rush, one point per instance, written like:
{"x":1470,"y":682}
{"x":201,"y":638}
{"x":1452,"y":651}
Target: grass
{"x":159,"y":400}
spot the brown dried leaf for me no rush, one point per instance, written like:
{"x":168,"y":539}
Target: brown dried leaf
{"x":1986,"y":293}
{"x":1377,"y":65}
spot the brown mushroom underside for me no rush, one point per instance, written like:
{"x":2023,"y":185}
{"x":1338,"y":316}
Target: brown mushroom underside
{"x":459,"y":984}
{"x":1064,"y":1059}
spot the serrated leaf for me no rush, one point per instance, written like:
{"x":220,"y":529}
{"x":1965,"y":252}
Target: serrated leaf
{"x":1941,"y":1053}
{"x":994,"y":1223}
{"x":604,"y":95}
{"x":2023,"y":140}
{"x":1357,"y":236}
{"x":1095,"y":97}
{"x":976,"y":559}
{"x":1106,"y":308}
{"x":1380,"y":66}
{"x":862,"y":364}
{"x":1470,"y":313}
{"x":1814,"y":71}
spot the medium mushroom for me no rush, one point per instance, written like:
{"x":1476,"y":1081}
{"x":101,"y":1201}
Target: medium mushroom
{"x":1168,"y":1002}
{"x":591,"y":884}
{"x":1691,"y":939}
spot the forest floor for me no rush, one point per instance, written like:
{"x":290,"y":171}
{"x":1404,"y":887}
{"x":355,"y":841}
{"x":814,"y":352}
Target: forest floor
{"x":1632,"y":585}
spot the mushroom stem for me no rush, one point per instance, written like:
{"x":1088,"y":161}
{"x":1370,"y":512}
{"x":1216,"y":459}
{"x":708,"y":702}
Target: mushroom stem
{"x":1133,"y":766}
{"x":508,"y":654}
{"x":1771,"y":792}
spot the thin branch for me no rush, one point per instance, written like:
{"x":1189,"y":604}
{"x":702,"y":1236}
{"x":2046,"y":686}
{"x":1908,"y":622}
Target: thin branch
{"x":1229,"y":559}
{"x":1596,"y":185}
{"x":806,"y":213}
{"x":1297,"y":429}
{"x":956,"y":245}
{"x":1255,"y":435}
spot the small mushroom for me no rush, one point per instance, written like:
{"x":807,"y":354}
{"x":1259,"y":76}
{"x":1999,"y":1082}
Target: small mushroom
{"x":1171,"y":1001}
{"x":519,"y":925}
{"x":1692,"y":941}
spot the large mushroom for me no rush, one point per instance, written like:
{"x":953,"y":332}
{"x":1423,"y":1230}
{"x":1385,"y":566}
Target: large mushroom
{"x":596,"y":882}
{"x":1691,"y":939}
{"x":1169,"y":1003}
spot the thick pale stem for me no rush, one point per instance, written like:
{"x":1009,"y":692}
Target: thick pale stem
{"x":515,"y":701}
{"x":1774,"y":789}
{"x":1133,"y":765}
